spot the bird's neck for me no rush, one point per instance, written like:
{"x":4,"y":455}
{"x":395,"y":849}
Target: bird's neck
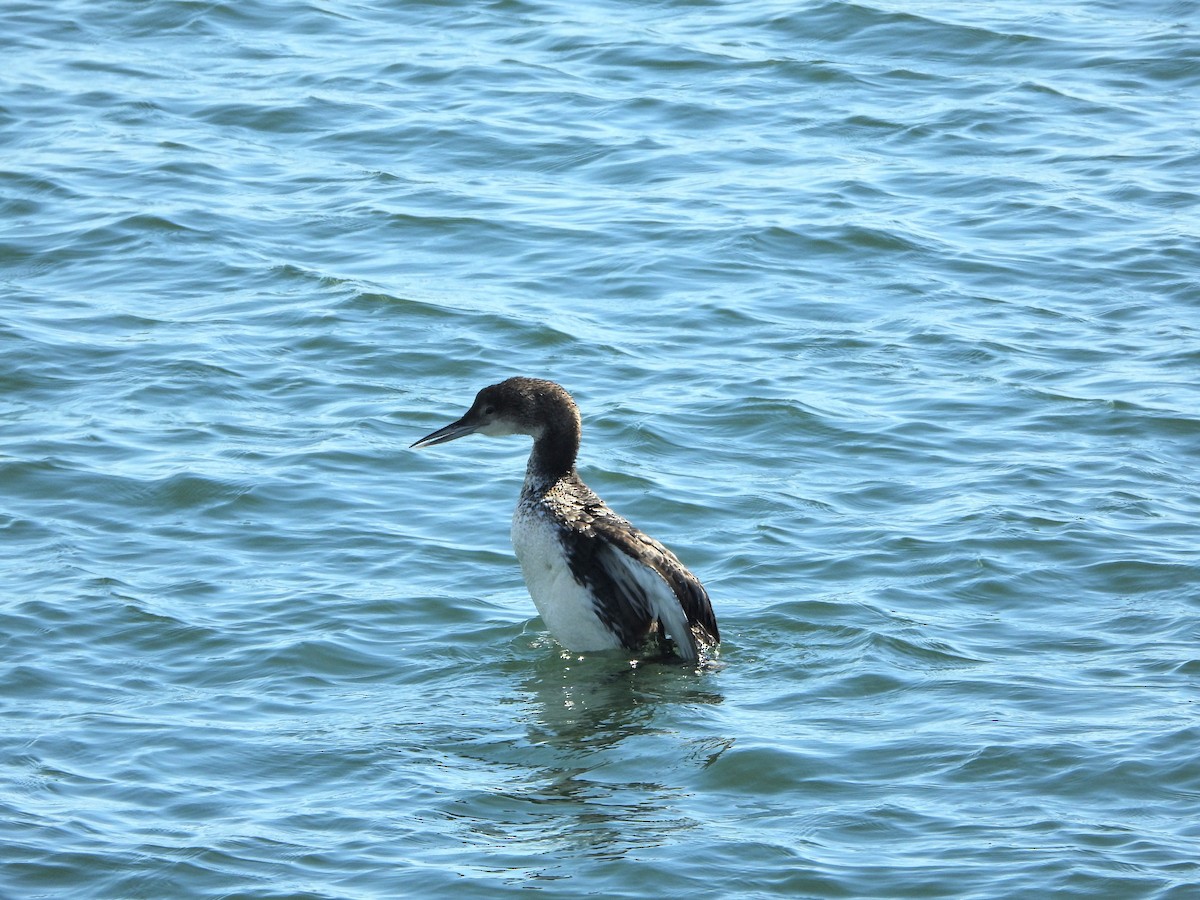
{"x":553,"y":457}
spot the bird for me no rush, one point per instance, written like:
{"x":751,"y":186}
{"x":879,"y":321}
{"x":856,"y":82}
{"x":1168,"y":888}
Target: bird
{"x":598,"y":582}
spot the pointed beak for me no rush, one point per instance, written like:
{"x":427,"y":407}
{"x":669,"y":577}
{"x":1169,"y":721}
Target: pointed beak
{"x":451,"y":432}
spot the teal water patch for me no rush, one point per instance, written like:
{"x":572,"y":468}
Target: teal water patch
{"x":883,"y":318}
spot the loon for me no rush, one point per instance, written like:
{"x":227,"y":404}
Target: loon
{"x":597,"y":581}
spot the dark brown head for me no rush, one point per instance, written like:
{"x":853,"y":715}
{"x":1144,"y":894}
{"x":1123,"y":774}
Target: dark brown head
{"x":533,"y":406}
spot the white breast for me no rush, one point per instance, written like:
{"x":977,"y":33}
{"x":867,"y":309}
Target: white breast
{"x":563,"y":603}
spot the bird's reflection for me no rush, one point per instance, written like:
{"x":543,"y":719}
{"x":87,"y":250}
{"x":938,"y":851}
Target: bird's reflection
{"x":580,"y":702}
{"x":587,"y":758}
{"x":611,"y":761}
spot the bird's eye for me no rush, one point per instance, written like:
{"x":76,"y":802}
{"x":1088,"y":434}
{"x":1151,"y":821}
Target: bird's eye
{"x":488,"y":410}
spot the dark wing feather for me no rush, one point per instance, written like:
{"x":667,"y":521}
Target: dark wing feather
{"x":608,"y":557}
{"x":689,"y":592}
{"x":624,"y":607}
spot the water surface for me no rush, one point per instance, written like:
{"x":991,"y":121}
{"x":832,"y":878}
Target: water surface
{"x":882,"y":316}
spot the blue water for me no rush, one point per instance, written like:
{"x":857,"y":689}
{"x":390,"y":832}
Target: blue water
{"x":885,"y":317}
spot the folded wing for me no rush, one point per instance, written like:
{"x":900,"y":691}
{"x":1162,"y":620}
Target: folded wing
{"x":645,"y":583}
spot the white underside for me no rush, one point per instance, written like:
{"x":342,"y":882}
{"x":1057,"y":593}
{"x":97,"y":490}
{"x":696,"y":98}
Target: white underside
{"x":563,"y":603}
{"x":567,"y":607}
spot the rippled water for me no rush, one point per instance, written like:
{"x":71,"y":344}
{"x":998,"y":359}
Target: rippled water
{"x":883,"y":316}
